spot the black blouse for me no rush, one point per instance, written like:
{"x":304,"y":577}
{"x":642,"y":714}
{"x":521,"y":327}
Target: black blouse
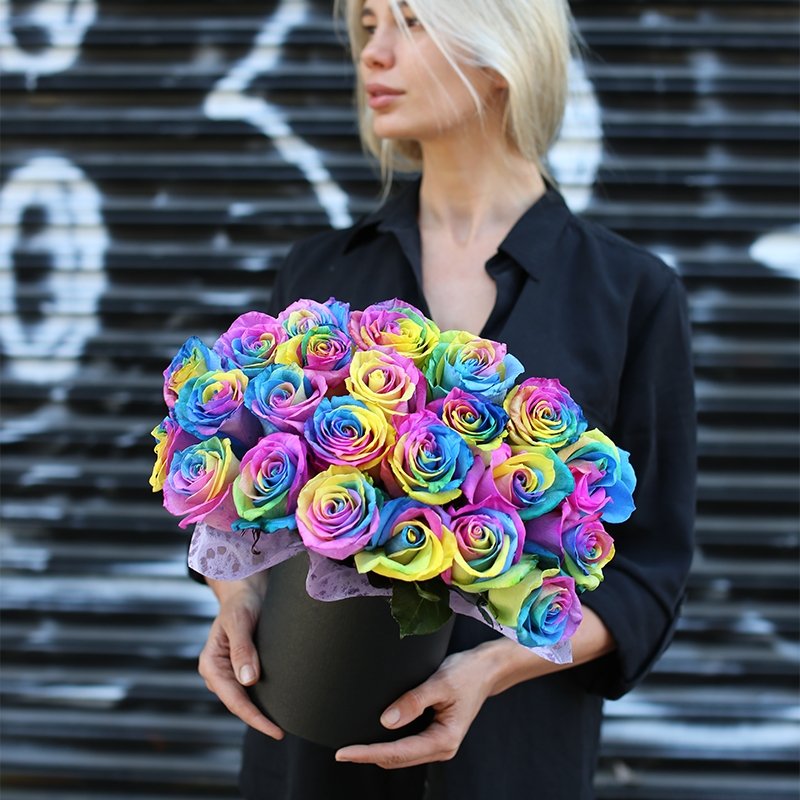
{"x":609,"y":320}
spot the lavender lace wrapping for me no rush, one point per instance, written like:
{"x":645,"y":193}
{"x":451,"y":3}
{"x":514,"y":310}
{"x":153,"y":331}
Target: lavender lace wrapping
{"x":327,"y":580}
{"x":225,"y":555}
{"x":228,"y":556}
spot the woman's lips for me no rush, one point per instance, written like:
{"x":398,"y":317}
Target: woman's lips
{"x":380,"y":96}
{"x":381,"y":100}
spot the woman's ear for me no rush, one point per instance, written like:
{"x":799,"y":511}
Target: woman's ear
{"x":497,"y":80}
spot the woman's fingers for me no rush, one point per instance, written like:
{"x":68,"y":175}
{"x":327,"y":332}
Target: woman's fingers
{"x":410,"y":705}
{"x":456,"y":692}
{"x":431,"y":745}
{"x":219,"y":669}
{"x":239,"y":627}
{"x":235,"y":699}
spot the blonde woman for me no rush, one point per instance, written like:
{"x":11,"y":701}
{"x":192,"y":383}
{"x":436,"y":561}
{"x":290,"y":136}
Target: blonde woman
{"x":470,"y":94}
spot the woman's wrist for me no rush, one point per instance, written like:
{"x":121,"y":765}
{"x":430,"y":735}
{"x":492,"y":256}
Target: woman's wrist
{"x":508,"y":663}
{"x":253,"y":588}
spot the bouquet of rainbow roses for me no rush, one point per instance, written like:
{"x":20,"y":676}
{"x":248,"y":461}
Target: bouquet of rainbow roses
{"x":402,"y":458}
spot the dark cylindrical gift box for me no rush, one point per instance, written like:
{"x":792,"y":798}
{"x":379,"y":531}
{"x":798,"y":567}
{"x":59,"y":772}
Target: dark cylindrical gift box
{"x":330,"y":669}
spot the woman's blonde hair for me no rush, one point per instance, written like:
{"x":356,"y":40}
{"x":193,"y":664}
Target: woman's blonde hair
{"x":529,"y":43}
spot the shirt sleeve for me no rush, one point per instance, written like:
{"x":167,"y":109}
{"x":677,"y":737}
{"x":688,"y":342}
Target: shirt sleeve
{"x":644,"y":585}
{"x":276,"y":304}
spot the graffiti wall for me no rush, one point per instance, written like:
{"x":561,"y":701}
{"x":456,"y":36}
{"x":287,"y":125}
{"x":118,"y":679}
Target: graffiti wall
{"x":157,"y":162}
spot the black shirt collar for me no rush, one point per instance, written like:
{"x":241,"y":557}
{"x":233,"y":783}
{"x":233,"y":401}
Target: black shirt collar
{"x":529,"y":242}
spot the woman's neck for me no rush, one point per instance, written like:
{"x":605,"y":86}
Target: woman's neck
{"x":469,"y":190}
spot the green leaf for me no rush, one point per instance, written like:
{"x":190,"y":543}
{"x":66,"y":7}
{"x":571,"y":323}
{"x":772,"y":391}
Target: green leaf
{"x":481,"y":602}
{"x":420,"y":608}
{"x":426,"y":594}
{"x":490,"y":621}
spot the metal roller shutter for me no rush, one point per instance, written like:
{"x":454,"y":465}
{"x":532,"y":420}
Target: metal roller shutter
{"x":157,"y":163}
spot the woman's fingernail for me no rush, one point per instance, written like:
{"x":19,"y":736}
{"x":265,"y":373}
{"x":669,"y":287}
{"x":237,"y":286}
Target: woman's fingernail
{"x":246,"y":674}
{"x":391,"y":717}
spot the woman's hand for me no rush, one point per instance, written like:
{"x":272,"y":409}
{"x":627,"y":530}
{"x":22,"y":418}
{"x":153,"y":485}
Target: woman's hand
{"x":229,"y":661}
{"x":456,"y":692}
{"x":458,"y":689}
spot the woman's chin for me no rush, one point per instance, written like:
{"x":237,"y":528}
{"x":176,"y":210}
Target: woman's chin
{"x":386,"y":129}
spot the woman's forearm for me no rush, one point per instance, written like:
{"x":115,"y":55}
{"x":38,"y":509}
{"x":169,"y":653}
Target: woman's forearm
{"x":508,"y":663}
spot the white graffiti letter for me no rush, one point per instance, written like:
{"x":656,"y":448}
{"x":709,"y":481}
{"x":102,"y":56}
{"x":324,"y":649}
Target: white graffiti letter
{"x":228,"y":100}
{"x":66,"y":22}
{"x":575,"y":157}
{"x":779,"y":250}
{"x":74,"y":235}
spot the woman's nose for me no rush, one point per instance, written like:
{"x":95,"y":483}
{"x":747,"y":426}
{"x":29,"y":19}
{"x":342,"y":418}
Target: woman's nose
{"x":379,"y":50}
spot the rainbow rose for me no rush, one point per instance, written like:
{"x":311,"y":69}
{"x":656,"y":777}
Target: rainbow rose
{"x":302,"y":316}
{"x":199,"y":483}
{"x":532,"y":481}
{"x":214,"y":403}
{"x":542,"y":411}
{"x":325,"y":349}
{"x":387,"y":382}
{"x":543,"y":607}
{"x":412,"y":543}
{"x":338,"y":512}
{"x":586,"y":500}
{"x":478,"y":366}
{"x":489,"y":541}
{"x":608,"y":472}
{"x":587,"y":549}
{"x":250,"y":341}
{"x":346,"y":432}
{"x":550,"y":613}
{"x":284,"y":396}
{"x":428,"y":462}
{"x":169,"y":437}
{"x":395,"y":326}
{"x":270,"y":478}
{"x":193,"y":359}
{"x":580,"y":545}
{"x":482,"y":424}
